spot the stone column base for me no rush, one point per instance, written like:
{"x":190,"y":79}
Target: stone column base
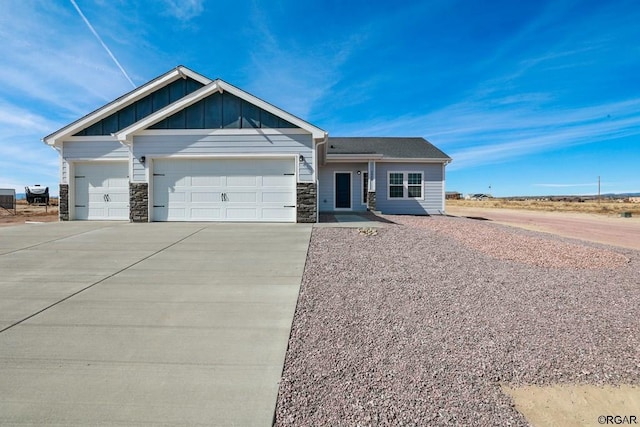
{"x":307,"y":200}
{"x":371,"y":200}
{"x":139,"y":202}
{"x":63,"y":202}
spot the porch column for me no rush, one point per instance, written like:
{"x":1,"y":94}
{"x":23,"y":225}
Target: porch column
{"x":371,"y":185}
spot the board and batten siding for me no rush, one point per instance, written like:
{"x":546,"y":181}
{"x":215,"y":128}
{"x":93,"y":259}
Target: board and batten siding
{"x":326,"y":185}
{"x":203,"y":145}
{"x":90,"y":149}
{"x":433,"y":189}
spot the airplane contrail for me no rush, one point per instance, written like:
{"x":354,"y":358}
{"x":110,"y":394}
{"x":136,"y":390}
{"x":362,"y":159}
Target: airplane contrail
{"x":86,"y":21}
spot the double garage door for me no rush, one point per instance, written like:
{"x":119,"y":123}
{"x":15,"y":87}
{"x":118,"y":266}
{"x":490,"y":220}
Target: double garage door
{"x":192,"y":190}
{"x":224,"y":190}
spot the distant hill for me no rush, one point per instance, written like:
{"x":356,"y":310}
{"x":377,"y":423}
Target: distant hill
{"x":576,"y":196}
{"x":620,"y":195}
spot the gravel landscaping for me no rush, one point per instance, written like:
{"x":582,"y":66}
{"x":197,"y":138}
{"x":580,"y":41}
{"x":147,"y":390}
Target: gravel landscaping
{"x":420,"y":323}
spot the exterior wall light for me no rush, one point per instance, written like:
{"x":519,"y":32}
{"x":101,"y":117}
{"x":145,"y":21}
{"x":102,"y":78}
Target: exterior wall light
{"x":301,"y":158}
{"x":143,"y":159}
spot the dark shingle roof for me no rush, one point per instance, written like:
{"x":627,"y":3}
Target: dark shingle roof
{"x":401,"y":148}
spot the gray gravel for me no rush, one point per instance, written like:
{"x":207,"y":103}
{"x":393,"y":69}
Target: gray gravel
{"x":420,"y":323}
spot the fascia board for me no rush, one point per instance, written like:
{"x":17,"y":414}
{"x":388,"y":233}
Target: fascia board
{"x":193,"y":75}
{"x":338,"y":157}
{"x":415,"y":160}
{"x":127,"y":99}
{"x":125,"y":135}
{"x":380,"y":157}
{"x":316,"y":132}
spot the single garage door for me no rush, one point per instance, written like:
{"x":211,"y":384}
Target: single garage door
{"x":224,"y":190}
{"x":101,"y":190}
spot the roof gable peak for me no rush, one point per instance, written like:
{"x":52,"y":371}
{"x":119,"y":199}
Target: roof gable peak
{"x":179,"y":72}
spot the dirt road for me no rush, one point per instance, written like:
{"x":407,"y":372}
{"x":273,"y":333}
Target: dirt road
{"x":610,"y":230}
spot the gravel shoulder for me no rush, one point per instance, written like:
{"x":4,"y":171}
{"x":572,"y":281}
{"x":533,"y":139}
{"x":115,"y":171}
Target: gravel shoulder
{"x":610,"y":230}
{"x":424,"y":322}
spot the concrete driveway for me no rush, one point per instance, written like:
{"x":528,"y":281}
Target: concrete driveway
{"x":162,"y":323}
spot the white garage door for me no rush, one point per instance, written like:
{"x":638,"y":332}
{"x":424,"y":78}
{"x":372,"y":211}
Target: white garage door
{"x":224,"y":190}
{"x":101,"y":190}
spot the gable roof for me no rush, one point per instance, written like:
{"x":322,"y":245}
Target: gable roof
{"x":210,"y":86}
{"x":123,"y":101}
{"x":384,"y":148}
{"x":217,"y":85}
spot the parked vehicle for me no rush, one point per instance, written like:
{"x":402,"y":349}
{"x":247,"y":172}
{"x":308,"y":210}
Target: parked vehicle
{"x":37,"y":194}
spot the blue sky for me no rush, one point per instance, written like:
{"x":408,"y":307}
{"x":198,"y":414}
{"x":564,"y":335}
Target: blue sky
{"x":534,"y":97}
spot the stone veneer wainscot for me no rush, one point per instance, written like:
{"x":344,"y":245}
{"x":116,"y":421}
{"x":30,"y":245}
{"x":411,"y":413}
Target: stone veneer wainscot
{"x":139,"y":202}
{"x":63,"y":202}
{"x":371,"y":200}
{"x":306,"y":201}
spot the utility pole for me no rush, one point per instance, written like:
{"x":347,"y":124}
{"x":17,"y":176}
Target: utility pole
{"x":598,"y":188}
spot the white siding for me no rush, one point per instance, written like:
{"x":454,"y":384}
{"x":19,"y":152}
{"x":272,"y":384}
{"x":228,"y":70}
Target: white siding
{"x":217,"y":145}
{"x":433,"y":202}
{"x":326,"y":185}
{"x":90,"y":149}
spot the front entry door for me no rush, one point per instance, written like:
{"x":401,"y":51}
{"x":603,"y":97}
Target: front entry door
{"x":343,"y":190}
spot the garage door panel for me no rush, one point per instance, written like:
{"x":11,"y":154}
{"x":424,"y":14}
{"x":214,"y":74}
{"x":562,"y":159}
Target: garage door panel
{"x":241,"y":214}
{"x":206,"y":181}
{"x":96,"y":198}
{"x":276,"y":214}
{"x":242,"y":181}
{"x":101,"y":190}
{"x":284,"y":197}
{"x":182,"y":182}
{"x":175,"y":214}
{"x":276,"y":181}
{"x":176,"y":197}
{"x":97,"y":212}
{"x":205,"y":197}
{"x":122,"y":182}
{"x":118,"y":212}
{"x":206,"y":214}
{"x":224,"y":190}
{"x":115,"y":197}
{"x":241,"y":197}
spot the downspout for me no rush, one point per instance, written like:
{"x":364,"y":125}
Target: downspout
{"x":323,"y":142}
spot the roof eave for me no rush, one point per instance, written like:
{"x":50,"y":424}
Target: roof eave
{"x":382,"y":157}
{"x":338,"y":156}
{"x":418,"y":159}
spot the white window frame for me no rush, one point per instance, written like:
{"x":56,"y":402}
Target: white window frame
{"x":405,"y":185}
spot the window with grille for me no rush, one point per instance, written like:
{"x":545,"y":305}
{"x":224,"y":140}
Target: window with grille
{"x":405,"y":185}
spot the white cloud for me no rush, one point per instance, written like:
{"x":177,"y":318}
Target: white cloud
{"x":474,"y":133}
{"x":48,"y":59}
{"x":184,"y":10}
{"x":18,"y":120}
{"x":293,"y":77}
